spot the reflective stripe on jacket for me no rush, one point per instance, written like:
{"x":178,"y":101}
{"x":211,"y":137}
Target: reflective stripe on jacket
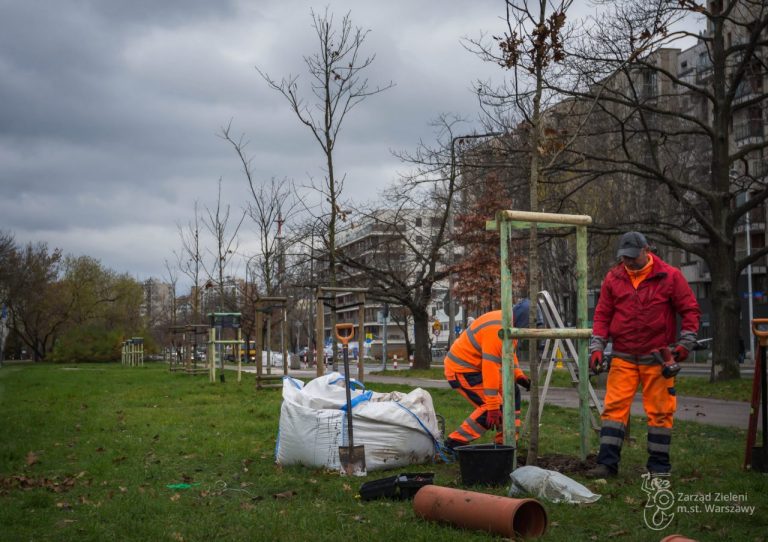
{"x":478,"y":350}
{"x":642,"y":320}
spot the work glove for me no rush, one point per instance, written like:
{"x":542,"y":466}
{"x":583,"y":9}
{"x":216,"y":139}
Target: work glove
{"x":524,"y":382}
{"x":680,"y":353}
{"x":493,"y":419}
{"x":596,"y":362}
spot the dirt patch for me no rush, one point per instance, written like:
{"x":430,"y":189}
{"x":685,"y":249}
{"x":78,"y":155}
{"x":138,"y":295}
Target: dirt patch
{"x":565,"y":464}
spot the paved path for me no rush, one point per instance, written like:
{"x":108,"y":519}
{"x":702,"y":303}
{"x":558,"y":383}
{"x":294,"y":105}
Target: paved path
{"x":695,"y":409}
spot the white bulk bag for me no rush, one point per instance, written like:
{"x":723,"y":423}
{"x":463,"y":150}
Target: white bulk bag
{"x":396,"y":428}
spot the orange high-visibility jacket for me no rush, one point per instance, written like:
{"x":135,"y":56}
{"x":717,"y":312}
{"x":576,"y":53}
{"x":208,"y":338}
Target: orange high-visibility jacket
{"x":478,"y":350}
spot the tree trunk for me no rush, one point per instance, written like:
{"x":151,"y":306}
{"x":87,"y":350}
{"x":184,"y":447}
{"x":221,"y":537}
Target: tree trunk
{"x":421,"y":352}
{"x":726,"y":311}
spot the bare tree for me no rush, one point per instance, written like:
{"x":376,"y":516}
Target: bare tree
{"x":217,"y":222}
{"x":531,"y":46}
{"x":337,"y":86}
{"x":272,"y":206}
{"x":682,"y":133}
{"x":189,"y":259}
{"x":411,"y":254}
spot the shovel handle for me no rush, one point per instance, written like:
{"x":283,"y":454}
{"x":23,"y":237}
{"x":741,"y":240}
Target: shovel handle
{"x":349,"y":332}
{"x":761,"y":334}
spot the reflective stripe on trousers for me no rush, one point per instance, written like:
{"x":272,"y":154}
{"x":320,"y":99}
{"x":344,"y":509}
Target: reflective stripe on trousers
{"x":473,"y":427}
{"x":659,"y":402}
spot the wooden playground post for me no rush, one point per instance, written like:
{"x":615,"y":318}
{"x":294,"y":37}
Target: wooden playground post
{"x":265,"y":306}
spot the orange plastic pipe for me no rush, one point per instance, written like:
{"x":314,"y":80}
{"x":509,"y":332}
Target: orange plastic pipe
{"x":677,"y":538}
{"x":471,"y":510}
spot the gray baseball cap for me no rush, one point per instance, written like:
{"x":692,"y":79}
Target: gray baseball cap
{"x":631,"y":243}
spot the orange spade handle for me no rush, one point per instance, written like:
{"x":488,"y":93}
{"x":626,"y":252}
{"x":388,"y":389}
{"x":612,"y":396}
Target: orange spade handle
{"x":350,"y":328}
{"x":761,"y":334}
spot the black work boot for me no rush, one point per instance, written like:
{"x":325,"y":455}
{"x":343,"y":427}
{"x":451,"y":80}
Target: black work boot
{"x":600,"y":471}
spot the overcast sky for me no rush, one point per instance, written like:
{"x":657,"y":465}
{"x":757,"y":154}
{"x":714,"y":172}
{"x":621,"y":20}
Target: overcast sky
{"x":109,"y":110}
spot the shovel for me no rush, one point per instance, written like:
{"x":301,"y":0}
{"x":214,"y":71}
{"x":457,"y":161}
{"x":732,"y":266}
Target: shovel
{"x":757,"y":456}
{"x":351,"y":458}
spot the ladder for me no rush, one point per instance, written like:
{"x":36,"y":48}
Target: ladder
{"x":552,"y":319}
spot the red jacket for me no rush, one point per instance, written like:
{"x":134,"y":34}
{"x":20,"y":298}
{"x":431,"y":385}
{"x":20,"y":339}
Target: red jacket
{"x":641,"y":320}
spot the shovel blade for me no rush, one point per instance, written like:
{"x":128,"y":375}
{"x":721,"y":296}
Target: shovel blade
{"x":352,"y":460}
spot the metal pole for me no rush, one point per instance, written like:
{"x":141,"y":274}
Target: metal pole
{"x":360,"y":337}
{"x":451,"y":315}
{"x":384,"y":339}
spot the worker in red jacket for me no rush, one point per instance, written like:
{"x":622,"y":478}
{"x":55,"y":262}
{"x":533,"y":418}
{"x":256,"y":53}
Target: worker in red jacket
{"x":473,"y":368}
{"x":639,"y":302}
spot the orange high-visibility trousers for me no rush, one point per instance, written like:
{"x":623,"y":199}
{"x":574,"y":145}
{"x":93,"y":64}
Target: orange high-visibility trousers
{"x":473,"y":427}
{"x":659,"y":402}
{"x":659,"y":398}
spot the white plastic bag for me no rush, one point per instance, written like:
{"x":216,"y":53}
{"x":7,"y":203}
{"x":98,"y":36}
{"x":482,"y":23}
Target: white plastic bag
{"x":549,"y":485}
{"x":396,"y":428}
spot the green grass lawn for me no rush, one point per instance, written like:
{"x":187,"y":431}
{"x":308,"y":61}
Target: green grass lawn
{"x":88,"y":452}
{"x":693,"y":386}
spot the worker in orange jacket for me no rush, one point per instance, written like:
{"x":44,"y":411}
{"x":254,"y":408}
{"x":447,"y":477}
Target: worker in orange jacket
{"x":473,"y":368}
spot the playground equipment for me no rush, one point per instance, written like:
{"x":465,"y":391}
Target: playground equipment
{"x":330,"y":301}
{"x":265,"y":306}
{"x":223,"y":325}
{"x":505,"y":222}
{"x":133,"y":352}
{"x":187,"y":341}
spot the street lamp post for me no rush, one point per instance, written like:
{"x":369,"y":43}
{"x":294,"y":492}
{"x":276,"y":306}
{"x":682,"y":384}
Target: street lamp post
{"x":450,"y":311}
{"x":733,"y":174}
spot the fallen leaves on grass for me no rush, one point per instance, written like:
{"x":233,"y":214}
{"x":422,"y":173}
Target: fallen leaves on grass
{"x":178,"y":537}
{"x":119,"y":459}
{"x":63,"y":505}
{"x":285,"y":494}
{"x":32,"y":458}
{"x":24,"y":482}
{"x":175,"y":497}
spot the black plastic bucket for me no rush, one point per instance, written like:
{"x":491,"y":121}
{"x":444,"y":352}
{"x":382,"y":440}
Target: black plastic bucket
{"x":485,"y":464}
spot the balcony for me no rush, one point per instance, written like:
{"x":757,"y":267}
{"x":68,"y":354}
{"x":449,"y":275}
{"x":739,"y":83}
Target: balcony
{"x":695,"y":272}
{"x":749,"y":132}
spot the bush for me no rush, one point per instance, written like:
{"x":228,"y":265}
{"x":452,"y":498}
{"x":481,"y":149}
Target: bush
{"x":88,"y":343}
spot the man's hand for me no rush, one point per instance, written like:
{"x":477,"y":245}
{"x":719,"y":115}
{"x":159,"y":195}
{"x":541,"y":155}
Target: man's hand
{"x":524,"y":382}
{"x":596,"y":362}
{"x":493,"y":419}
{"x":680,"y":353}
